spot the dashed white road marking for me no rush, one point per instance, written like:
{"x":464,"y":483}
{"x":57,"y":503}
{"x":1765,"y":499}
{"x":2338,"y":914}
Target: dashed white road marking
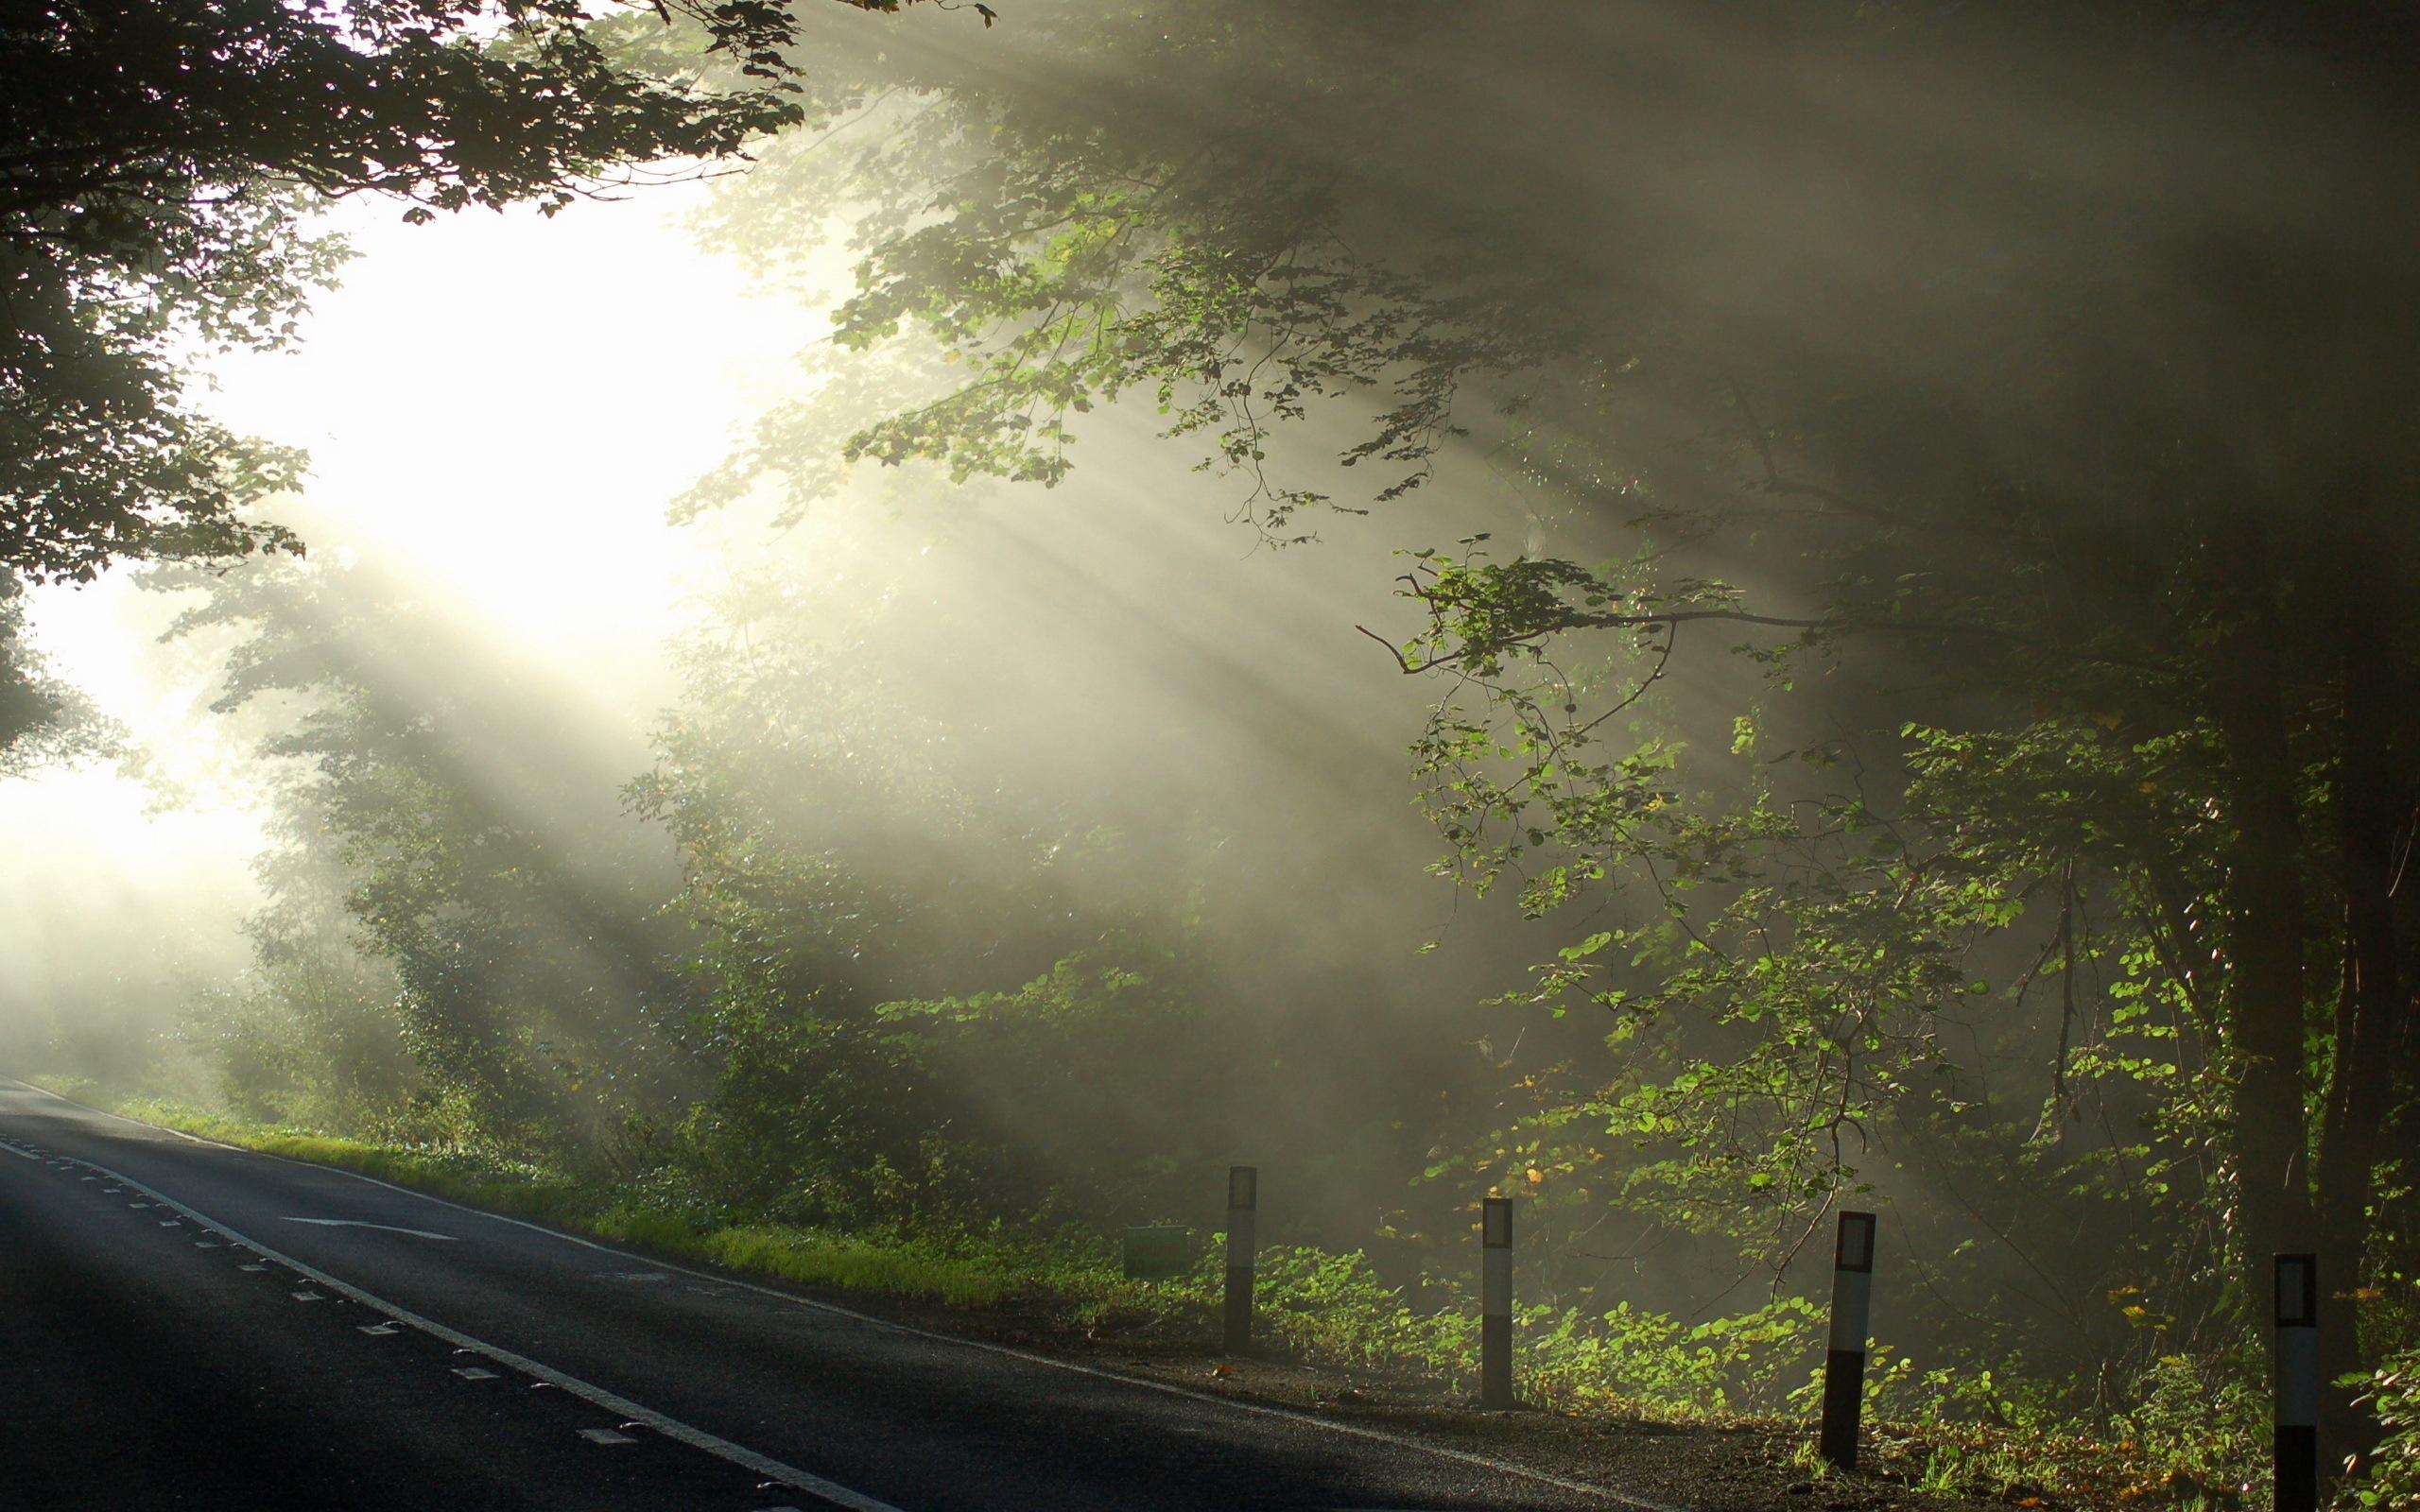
{"x":672,"y":1428}
{"x":308,"y":1296}
{"x":355,"y":1223}
{"x":606,"y":1436}
{"x":376,"y":1330}
{"x":472,"y":1372}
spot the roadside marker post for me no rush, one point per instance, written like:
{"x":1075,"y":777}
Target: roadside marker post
{"x":2297,"y":1452}
{"x":1243,"y":1202}
{"x":1496,"y":1305}
{"x":1852,"y":1318}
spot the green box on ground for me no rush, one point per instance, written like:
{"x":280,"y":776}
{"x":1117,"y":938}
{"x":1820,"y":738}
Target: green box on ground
{"x":1158,"y":1254}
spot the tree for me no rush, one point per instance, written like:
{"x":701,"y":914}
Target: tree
{"x":2023,"y":389}
{"x":43,"y":719}
{"x":463,"y":813}
{"x":934,"y":993}
{"x":158,"y":163}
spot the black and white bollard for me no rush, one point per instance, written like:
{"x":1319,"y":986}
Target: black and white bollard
{"x":2297,"y":1462}
{"x":1496,"y":1305}
{"x":1243,"y":1200}
{"x":1852,"y":1316}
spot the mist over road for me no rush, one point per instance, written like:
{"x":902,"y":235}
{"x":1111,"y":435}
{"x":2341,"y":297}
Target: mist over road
{"x":182,"y":1324}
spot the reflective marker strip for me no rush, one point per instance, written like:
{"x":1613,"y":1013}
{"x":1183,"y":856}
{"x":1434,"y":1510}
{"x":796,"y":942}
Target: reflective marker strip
{"x":773,"y":1470}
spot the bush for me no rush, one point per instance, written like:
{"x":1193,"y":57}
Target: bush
{"x":2393,"y":1484}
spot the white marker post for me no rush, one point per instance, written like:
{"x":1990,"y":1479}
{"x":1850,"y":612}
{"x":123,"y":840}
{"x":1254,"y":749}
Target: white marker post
{"x":1496,"y":1305}
{"x":2297,"y":1453}
{"x":1243,"y":1200}
{"x":1852,"y":1318}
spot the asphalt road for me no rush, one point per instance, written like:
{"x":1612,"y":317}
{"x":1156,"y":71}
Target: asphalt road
{"x":185,"y":1325}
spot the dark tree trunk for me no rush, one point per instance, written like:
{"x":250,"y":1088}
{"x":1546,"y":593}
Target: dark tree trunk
{"x":2265,"y":938}
{"x":2372,"y":801}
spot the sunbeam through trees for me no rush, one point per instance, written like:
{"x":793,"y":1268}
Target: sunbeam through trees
{"x":1693,"y":614}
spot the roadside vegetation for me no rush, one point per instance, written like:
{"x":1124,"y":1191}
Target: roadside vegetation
{"x":2193,"y":1443}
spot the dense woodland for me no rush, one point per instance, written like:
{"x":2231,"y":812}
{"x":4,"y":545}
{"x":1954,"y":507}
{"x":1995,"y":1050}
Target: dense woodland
{"x":1901,"y":561}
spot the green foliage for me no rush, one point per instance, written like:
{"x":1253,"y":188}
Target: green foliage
{"x":1632,"y":1359}
{"x":2194,"y":1438}
{"x":2393,"y":1484}
{"x":43,"y":721}
{"x":161,"y":167}
{"x":453,"y":947}
{"x":815,"y":1120}
{"x":314,"y":1041}
{"x":930,"y":998}
{"x":1065,"y":255}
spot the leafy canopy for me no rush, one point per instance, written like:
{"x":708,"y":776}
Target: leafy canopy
{"x":158,"y":162}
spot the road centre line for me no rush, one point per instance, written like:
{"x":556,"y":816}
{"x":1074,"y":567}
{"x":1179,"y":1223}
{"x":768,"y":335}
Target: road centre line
{"x":1260,"y":1409}
{"x":672,"y":1428}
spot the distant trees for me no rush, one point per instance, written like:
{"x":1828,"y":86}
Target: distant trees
{"x":461,"y":921}
{"x":869,"y":988}
{"x":931,"y":994}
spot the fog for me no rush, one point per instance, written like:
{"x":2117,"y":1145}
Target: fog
{"x":1064,"y":839}
{"x":495,"y":442}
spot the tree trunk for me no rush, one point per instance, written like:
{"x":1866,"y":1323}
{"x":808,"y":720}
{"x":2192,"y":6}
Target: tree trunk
{"x":2372,"y":801}
{"x":2265,"y":930}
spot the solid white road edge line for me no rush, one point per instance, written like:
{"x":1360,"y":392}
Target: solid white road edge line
{"x":1287,"y":1414}
{"x":773,"y":1470}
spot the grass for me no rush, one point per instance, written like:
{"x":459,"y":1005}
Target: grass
{"x":802,"y":1256}
{"x":970,"y":1272}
